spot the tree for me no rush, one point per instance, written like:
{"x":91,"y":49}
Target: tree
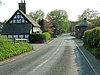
{"x":37,"y":16}
{"x":59,"y":20}
{"x":43,"y":26}
{"x":95,"y":22}
{"x":89,"y":14}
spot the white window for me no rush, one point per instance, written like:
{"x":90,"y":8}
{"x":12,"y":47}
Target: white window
{"x":19,"y":21}
{"x":4,"y":36}
{"x":26,"y":22}
{"x":15,"y":17}
{"x":22,"y":17}
{"x":14,"y":21}
{"x":26,"y":36}
{"x":18,"y":16}
{"x":11,"y":21}
{"x":9,"y":36}
{"x":15,"y":36}
{"x":18,"y":13}
{"x":23,"y":21}
{"x":20,"y":36}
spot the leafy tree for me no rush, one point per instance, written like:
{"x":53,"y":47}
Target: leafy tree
{"x":59,"y":20}
{"x":89,"y":14}
{"x":37,"y":16}
{"x":43,"y":26}
{"x":95,"y":22}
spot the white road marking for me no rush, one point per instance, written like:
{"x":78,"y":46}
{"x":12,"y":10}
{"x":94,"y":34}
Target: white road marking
{"x":86,"y":59}
{"x":46,"y":60}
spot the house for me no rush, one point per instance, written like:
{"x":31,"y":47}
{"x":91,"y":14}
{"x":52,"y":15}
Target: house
{"x":20,"y":25}
{"x":81,"y":28}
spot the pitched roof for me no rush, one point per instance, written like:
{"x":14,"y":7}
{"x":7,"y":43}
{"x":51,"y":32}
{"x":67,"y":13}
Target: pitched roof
{"x":26,"y":17}
{"x":14,"y":29}
{"x":84,"y":23}
{"x":19,"y":28}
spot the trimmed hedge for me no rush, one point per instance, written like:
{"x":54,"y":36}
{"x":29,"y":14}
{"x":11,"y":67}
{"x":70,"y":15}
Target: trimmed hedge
{"x":8,"y":48}
{"x":39,"y":37}
{"x":92,"y":37}
{"x":91,"y":41}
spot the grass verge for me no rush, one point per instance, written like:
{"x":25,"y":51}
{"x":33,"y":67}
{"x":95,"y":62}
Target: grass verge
{"x":9,"y":49}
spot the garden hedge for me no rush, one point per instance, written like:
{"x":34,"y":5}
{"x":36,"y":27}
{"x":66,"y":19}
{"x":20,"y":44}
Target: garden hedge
{"x":39,"y":37}
{"x":91,"y":41}
{"x":92,"y":37}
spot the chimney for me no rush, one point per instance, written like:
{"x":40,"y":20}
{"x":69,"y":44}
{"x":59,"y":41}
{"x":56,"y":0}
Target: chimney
{"x":22,"y":6}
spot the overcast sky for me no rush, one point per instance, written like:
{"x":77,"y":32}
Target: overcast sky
{"x":73,"y":7}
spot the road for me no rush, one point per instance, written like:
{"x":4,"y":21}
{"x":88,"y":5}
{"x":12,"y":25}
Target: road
{"x":59,"y":57}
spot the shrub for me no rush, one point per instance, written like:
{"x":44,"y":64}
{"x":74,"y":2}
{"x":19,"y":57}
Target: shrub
{"x":39,"y":37}
{"x":47,"y":36}
{"x":91,"y":41}
{"x":92,"y":37}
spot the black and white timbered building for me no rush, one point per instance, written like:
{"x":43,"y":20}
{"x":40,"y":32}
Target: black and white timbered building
{"x":20,"y":25}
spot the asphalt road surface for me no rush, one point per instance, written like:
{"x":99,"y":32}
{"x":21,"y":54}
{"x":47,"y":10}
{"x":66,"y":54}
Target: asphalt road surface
{"x":59,"y":57}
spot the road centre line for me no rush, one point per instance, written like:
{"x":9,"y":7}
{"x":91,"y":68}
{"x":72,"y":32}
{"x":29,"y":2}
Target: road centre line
{"x":46,"y":60}
{"x":48,"y":43}
{"x":86,"y":58}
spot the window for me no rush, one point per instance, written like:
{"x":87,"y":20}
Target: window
{"x":15,"y":17}
{"x":9,"y":36}
{"x":18,"y":16}
{"x":23,"y":21}
{"x":15,"y":36}
{"x":19,"y":21}
{"x":4,"y":36}
{"x":26,"y":22}
{"x":11,"y":21}
{"x":20,"y":36}
{"x":22,"y":17}
{"x":18,"y":13}
{"x":14,"y":21}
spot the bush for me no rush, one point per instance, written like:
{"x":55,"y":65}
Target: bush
{"x":47,"y":36}
{"x":8,"y":48}
{"x":39,"y":37}
{"x":91,"y":41}
{"x":92,"y":37}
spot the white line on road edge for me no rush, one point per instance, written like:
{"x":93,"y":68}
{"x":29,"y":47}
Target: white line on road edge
{"x":86,"y":59}
{"x":46,"y":60}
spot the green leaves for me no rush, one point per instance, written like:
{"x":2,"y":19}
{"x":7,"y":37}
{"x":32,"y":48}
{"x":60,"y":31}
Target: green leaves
{"x":39,"y":37}
{"x":89,"y":14}
{"x":8,"y":48}
{"x":92,"y":37}
{"x":59,"y":20}
{"x":38,"y":15}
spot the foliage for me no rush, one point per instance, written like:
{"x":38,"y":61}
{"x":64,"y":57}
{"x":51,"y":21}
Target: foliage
{"x":89,"y":14}
{"x":38,"y":15}
{"x":92,"y":37}
{"x":92,"y":41}
{"x":59,"y":20}
{"x":43,"y":26}
{"x":8,"y":48}
{"x":95,"y":22}
{"x":47,"y":36}
{"x":39,"y":37}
